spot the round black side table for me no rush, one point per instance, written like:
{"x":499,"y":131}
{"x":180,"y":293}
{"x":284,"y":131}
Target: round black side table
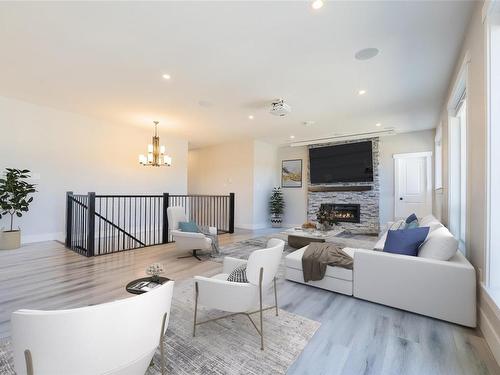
{"x":130,"y":286}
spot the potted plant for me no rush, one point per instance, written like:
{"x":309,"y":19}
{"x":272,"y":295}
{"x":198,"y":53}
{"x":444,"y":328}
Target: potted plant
{"x":14,"y":200}
{"x":276,"y":207}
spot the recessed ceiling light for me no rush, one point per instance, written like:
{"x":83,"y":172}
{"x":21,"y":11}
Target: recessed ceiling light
{"x":292,"y":137}
{"x":250,"y":117}
{"x":317,"y":4}
{"x":166,"y":76}
{"x":366,"y":53}
{"x":308,"y":123}
{"x":378,"y":124}
{"x":361,"y":92}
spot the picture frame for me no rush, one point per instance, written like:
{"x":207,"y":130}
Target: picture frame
{"x":291,"y":173}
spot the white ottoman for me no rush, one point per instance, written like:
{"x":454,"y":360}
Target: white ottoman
{"x":337,"y":279}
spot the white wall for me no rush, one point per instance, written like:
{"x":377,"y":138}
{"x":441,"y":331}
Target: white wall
{"x":264,"y":179}
{"x":70,"y":152}
{"x":246,"y":168}
{"x":296,"y":199}
{"x":398,"y":144}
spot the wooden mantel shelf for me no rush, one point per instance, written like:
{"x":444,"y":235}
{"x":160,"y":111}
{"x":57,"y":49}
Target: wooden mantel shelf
{"x":318,"y":189}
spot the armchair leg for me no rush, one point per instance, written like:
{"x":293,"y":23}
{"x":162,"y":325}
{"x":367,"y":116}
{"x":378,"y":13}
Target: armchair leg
{"x":195,"y":307}
{"x":162,"y":345}
{"x":193,"y":254}
{"x":275,"y":296}
{"x":260,"y":312}
{"x":29,"y":362}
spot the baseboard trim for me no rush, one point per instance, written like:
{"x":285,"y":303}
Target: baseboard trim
{"x":31,"y":238}
{"x":486,"y":326}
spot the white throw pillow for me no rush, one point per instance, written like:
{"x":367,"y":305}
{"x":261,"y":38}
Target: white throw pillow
{"x":433,"y":225}
{"x":424,"y":222}
{"x":440,"y":244}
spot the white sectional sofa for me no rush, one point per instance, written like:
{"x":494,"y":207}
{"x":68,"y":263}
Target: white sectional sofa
{"x":442,"y":289}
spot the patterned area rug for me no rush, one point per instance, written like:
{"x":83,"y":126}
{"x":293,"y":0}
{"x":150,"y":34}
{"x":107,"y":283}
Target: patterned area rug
{"x":228,"y":346}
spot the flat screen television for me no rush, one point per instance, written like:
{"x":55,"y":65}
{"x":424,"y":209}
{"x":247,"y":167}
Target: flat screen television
{"x":350,"y":162}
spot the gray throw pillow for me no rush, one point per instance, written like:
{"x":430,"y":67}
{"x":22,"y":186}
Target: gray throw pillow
{"x":239,"y":274}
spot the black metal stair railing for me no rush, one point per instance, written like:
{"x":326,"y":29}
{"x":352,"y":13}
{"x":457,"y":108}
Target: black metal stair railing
{"x":105,"y":224}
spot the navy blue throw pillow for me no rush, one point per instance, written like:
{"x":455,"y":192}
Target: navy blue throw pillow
{"x":405,"y":241}
{"x":411,"y":218}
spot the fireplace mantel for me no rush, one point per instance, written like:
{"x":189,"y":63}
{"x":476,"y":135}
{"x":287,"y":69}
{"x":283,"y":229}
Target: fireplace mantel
{"x":316,"y":189}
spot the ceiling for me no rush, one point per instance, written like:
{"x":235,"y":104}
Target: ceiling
{"x":229,"y":60}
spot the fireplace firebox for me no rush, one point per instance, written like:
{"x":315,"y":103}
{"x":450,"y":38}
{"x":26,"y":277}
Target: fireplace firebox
{"x":347,"y":213}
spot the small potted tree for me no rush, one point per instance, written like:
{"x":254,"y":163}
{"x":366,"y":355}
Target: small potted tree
{"x":276,"y":207}
{"x":14,"y":200}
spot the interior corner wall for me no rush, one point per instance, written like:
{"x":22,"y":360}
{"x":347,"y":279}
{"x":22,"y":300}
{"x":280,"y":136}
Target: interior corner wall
{"x":223,"y":169}
{"x":71,"y":152}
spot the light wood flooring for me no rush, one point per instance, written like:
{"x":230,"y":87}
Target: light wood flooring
{"x":355,"y":337}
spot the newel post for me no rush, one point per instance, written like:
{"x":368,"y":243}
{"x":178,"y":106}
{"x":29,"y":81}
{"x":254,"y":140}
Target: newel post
{"x":91,"y":225}
{"x":231,"y":212}
{"x":165,"y":218}
{"x":69,"y":217}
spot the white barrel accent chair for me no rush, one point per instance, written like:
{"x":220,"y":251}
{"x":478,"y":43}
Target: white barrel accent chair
{"x":241,"y":298}
{"x":115,"y":338}
{"x":187,"y":240}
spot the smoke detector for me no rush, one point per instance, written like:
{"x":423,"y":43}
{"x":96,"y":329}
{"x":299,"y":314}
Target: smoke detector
{"x":280,"y":108}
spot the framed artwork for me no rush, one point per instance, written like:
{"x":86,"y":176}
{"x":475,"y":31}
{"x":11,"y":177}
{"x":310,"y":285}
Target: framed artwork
{"x":291,"y":173}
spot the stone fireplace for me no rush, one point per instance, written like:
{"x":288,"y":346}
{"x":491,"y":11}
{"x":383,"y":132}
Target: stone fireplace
{"x":357,"y":201}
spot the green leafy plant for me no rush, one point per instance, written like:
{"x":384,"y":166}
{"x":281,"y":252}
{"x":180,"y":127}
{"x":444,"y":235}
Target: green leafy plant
{"x":14,"y":192}
{"x":276,"y":202}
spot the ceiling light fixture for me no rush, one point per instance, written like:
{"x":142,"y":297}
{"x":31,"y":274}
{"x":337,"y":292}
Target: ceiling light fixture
{"x":156,"y":153}
{"x":292,"y":137}
{"x":366,"y":54}
{"x":361,"y":92}
{"x":317,"y":4}
{"x":250,"y":117}
{"x":166,"y":76}
{"x":378,"y":124}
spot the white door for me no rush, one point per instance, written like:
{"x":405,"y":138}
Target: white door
{"x":412,"y":184}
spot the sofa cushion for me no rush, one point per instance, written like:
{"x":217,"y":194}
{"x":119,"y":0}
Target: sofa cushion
{"x":294,"y":260}
{"x":433,"y":225}
{"x":439,"y":245}
{"x":405,"y":241}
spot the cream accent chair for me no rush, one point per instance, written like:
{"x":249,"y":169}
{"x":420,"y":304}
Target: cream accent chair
{"x":241,"y":298}
{"x":115,"y":338}
{"x":187,"y":240}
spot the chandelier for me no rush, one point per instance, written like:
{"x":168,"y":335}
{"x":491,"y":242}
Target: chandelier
{"x":156,"y":153}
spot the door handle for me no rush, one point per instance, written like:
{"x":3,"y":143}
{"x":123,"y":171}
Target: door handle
{"x":400,"y":198}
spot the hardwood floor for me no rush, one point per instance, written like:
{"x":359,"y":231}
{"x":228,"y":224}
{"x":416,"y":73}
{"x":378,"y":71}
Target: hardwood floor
{"x":355,"y":337}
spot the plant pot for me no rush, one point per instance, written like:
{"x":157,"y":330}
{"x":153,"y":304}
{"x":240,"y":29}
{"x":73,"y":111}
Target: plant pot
{"x":10,"y":239}
{"x":276,"y":221}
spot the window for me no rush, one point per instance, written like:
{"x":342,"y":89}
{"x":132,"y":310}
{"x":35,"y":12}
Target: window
{"x":438,"y":159}
{"x":493,"y":89}
{"x":457,"y":130}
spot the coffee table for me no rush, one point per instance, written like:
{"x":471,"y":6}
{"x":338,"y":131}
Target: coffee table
{"x":298,"y":238}
{"x":132,"y":286}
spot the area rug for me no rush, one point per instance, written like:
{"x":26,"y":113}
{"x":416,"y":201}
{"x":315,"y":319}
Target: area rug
{"x":228,"y":346}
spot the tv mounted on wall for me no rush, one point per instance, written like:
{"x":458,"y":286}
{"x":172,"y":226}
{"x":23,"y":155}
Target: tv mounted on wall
{"x":349,"y":162}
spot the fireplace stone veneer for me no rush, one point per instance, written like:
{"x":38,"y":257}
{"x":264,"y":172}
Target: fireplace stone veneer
{"x":368,"y":200}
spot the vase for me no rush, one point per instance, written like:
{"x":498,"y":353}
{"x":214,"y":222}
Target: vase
{"x":10,"y":239}
{"x":276,"y":220}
